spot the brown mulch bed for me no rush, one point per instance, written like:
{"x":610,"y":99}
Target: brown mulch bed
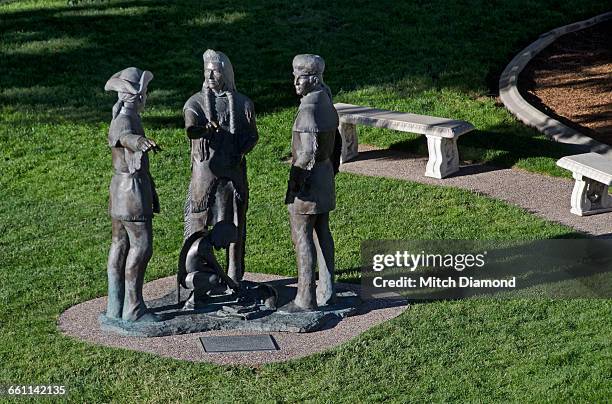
{"x":571,"y":81}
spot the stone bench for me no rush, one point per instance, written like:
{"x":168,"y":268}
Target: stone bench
{"x":441,"y":133}
{"x":593,"y":175}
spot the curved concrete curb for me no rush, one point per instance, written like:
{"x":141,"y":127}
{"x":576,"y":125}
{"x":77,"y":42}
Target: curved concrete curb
{"x":531,"y":116}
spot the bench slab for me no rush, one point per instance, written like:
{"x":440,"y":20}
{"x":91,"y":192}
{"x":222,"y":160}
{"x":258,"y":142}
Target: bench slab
{"x":441,"y":133}
{"x":593,"y":175}
{"x":591,"y":165}
{"x":402,"y":121}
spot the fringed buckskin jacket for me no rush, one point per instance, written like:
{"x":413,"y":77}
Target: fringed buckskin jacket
{"x":221,"y":154}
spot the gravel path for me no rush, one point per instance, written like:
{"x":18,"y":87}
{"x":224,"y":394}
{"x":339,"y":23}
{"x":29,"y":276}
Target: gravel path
{"x":545,"y":196}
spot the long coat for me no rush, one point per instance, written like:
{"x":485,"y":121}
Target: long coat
{"x":132,"y":190}
{"x":313,"y":148}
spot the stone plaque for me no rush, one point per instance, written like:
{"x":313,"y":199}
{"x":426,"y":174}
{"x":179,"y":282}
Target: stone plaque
{"x":239,"y":343}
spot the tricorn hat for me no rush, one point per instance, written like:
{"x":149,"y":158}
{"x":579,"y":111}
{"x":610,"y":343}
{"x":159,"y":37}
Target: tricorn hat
{"x":131,"y":80}
{"x":308,"y":64}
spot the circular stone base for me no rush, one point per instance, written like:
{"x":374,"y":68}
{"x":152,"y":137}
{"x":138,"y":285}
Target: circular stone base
{"x":221,"y":313}
{"x":81,"y":322}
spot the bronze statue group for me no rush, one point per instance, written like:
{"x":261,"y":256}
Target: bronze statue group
{"x":220,"y":123}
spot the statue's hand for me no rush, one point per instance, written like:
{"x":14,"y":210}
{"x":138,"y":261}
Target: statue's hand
{"x":212,"y":127}
{"x":206,"y":131}
{"x":146,"y":145}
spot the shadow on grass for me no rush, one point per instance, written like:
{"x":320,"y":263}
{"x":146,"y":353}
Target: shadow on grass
{"x":511,"y":144}
{"x":568,"y":266}
{"x":163,"y":122}
{"x":398,"y":153}
{"x":57,"y":59}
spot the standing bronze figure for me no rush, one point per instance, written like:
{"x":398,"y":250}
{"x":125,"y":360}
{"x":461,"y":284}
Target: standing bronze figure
{"x":133,"y":199}
{"x":315,"y":149}
{"x":220,"y":122}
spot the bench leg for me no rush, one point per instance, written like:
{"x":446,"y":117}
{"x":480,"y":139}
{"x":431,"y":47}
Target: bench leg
{"x":350,"y":142}
{"x":443,"y":157}
{"x":589,"y":197}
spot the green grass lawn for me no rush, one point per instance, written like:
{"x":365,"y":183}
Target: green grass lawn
{"x":430,"y":58}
